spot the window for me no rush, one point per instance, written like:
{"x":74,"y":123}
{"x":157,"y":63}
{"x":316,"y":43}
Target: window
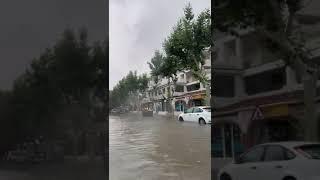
{"x":265,"y":81}
{"x":224,"y":85}
{"x":193,"y":87}
{"x":189,"y":110}
{"x":274,"y":153}
{"x":179,"y":88}
{"x":254,"y":155}
{"x":198,"y":110}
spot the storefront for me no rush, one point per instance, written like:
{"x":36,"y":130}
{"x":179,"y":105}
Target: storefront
{"x":159,"y":105}
{"x":197,"y":100}
{"x":235,"y":132}
{"x":226,"y":138}
{"x":180,"y":105}
{"x":276,"y":125}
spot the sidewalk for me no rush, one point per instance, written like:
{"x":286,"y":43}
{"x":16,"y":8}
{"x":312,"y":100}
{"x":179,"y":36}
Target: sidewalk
{"x":70,"y":169}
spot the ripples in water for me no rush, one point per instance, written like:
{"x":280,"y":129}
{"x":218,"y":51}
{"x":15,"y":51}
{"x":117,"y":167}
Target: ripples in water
{"x":149,"y":148}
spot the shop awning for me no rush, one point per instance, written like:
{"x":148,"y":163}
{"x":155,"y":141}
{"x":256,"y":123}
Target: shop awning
{"x":198,"y":96}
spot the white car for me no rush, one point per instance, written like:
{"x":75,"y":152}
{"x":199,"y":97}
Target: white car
{"x":200,"y":114}
{"x":276,"y":161}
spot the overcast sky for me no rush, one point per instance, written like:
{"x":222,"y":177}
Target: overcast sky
{"x":29,"y":26}
{"x":137,"y":28}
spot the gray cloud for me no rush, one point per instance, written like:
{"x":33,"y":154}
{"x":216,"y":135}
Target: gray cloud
{"x":137,"y":28}
{"x":28,"y":27}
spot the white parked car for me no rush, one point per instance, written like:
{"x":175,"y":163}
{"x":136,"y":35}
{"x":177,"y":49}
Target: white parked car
{"x":200,"y":114}
{"x":276,"y":161}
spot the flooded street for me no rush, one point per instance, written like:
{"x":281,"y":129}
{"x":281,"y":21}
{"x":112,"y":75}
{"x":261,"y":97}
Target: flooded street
{"x":150,"y":148}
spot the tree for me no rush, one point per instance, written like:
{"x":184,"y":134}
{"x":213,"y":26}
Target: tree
{"x":155,"y":65}
{"x":274,"y":22}
{"x":128,"y":87}
{"x":187,"y":46}
{"x":54,"y":95}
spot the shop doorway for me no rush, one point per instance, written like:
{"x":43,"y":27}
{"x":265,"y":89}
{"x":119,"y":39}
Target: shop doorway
{"x":196,"y":102}
{"x":226,"y":140}
{"x":180,"y":105}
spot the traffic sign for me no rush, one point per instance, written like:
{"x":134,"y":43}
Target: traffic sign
{"x":257,"y":114}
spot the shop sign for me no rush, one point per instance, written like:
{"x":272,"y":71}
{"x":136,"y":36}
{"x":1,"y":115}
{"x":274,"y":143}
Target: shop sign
{"x":198,"y":96}
{"x":276,"y":111}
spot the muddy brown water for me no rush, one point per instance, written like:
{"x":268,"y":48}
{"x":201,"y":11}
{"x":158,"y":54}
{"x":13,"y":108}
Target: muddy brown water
{"x":155,"y":148}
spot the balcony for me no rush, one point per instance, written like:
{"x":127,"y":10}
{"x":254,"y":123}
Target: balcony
{"x":178,"y":94}
{"x":181,"y":82}
{"x":194,"y":87}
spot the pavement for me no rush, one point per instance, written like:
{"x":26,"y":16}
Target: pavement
{"x":70,"y":169}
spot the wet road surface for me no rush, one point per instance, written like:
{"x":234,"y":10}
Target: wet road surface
{"x":154,"y":148}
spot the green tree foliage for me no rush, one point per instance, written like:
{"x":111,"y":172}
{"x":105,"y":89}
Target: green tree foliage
{"x":155,"y":65}
{"x":185,"y":48}
{"x":131,"y":84}
{"x":60,"y":77}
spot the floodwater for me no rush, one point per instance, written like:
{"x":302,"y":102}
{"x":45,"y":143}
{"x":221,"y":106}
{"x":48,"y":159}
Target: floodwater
{"x":154,"y":148}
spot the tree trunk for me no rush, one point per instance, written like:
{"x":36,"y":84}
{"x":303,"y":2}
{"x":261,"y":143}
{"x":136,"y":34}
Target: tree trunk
{"x":170,"y":107}
{"x":311,"y":122}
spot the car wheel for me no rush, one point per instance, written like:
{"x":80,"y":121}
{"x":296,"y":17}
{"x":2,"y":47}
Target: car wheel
{"x":202,"y":121}
{"x":181,"y":119}
{"x":225,"y":177}
{"x":289,"y":178}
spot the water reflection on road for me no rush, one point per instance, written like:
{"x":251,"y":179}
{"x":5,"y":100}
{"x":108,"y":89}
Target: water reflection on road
{"x":148,"y":148}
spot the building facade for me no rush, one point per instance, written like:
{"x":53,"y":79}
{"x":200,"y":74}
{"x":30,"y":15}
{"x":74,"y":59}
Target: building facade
{"x":185,"y":93}
{"x":257,"y":97}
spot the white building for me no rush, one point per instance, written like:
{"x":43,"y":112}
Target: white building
{"x":187,"y":92}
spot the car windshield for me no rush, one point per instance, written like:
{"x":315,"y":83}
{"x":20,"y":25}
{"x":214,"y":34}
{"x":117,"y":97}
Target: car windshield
{"x":208,"y":109}
{"x":312,"y":151}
